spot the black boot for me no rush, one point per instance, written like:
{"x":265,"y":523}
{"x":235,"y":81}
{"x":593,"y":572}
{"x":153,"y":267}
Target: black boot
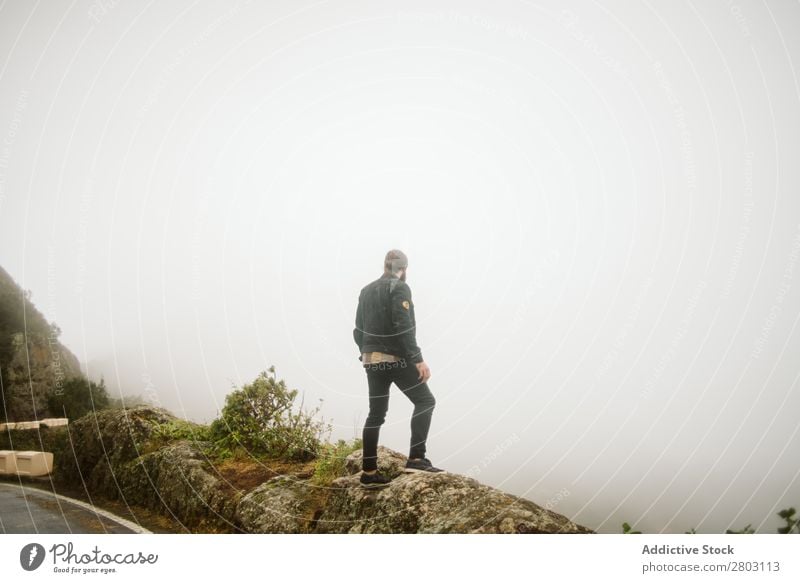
{"x":376,"y":480}
{"x":423,"y":465}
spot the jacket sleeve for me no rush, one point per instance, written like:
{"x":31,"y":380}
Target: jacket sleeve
{"x":358,"y":331}
{"x":403,"y":322}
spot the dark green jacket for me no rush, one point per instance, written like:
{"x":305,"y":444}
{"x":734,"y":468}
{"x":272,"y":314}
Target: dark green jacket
{"x":385,"y":319}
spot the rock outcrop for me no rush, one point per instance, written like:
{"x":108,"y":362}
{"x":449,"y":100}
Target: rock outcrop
{"x":114,"y":457}
{"x":432,"y":503}
{"x":113,"y":454}
{"x":412,"y":503}
{"x":105,"y":442}
{"x":281,"y":505}
{"x":33,"y":363}
{"x":178,"y":480}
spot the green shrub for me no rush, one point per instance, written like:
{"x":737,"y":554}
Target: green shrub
{"x":77,"y":398}
{"x":788,"y":514}
{"x":261,"y":418}
{"x":330,"y":463}
{"x":791,"y":522}
{"x":180,"y":429}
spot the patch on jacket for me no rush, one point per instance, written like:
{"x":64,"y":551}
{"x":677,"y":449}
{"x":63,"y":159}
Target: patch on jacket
{"x":406,"y":305}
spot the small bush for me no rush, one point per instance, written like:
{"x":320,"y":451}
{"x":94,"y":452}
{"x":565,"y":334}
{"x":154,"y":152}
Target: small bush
{"x":179,"y":429}
{"x":261,"y":418}
{"x":792,"y":524}
{"x":330,"y":463}
{"x":77,"y":398}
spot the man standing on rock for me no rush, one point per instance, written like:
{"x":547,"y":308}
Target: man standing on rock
{"x":385,"y":333}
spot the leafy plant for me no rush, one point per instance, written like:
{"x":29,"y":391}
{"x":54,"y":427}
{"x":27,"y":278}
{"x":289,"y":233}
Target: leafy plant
{"x":261,"y":418}
{"x":180,"y":429}
{"x":626,"y":529}
{"x":331,"y":460}
{"x":77,"y":398}
{"x":791,"y":522}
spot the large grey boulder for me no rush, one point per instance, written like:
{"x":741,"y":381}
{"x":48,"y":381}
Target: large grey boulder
{"x":432,"y":503}
{"x":177,"y":480}
{"x":280,"y":505}
{"x":102,"y":442}
{"x":390,"y":462}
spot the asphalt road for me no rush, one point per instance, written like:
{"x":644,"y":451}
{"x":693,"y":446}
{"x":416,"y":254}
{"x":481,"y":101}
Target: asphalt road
{"x":27,"y":510}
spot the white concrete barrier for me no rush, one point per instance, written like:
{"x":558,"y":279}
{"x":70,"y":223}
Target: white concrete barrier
{"x":50,"y":422}
{"x":34,"y":463}
{"x":22,"y":425}
{"x":54,"y":421}
{"x":8,"y":462}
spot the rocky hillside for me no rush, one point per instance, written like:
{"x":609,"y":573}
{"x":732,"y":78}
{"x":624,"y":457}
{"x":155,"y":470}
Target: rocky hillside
{"x":126,"y":455}
{"x":33,"y":363}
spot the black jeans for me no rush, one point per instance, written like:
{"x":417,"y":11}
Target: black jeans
{"x":380,"y":377}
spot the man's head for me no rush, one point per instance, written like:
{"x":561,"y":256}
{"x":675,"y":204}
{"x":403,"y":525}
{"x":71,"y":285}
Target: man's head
{"x":396,"y":263}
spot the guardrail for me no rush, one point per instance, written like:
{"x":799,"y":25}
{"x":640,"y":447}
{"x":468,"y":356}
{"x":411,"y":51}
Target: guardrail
{"x":51,"y":422}
{"x":25,"y":463}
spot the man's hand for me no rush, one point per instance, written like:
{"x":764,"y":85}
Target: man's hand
{"x":424,"y":372}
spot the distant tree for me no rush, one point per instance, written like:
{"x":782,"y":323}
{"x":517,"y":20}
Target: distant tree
{"x":127,"y":401}
{"x":78,"y":397}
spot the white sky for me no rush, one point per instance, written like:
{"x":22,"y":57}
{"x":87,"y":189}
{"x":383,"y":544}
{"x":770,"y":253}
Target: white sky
{"x":599,"y":203}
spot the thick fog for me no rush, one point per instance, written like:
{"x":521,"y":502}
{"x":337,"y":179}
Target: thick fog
{"x":599,"y":202}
